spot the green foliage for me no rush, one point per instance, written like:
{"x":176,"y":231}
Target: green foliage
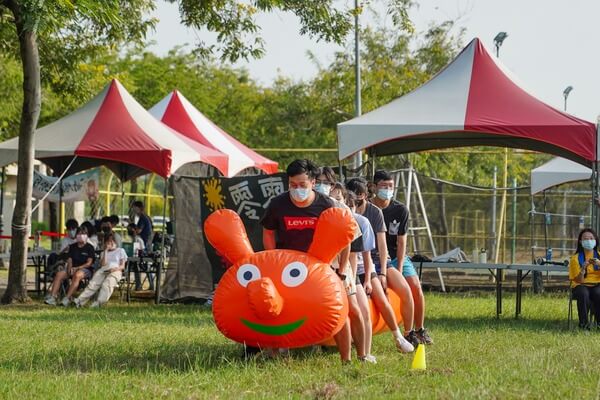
{"x":141,"y":351}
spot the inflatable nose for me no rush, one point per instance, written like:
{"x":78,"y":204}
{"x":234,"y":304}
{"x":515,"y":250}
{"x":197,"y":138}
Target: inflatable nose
{"x":264,"y":299}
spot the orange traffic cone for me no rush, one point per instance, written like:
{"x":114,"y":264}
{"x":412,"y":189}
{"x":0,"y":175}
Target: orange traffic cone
{"x":418,"y":362}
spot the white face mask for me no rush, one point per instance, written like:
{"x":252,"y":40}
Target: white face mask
{"x":72,"y":233}
{"x":385,"y":194}
{"x":82,"y":238}
{"x":323,"y":188}
{"x":300,"y":194}
{"x":588,"y":244}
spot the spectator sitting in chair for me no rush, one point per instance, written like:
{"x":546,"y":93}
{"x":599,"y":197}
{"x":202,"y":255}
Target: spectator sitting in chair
{"x":92,"y":236}
{"x":106,"y":226}
{"x":584,"y":274}
{"x":144,"y":224}
{"x":55,"y":259}
{"x":105,"y":279}
{"x":79,"y":267}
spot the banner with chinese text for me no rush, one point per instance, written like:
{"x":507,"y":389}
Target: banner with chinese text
{"x":249,"y":196}
{"x":80,"y":187}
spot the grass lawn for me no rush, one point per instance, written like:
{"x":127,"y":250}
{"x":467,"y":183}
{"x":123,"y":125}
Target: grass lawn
{"x":143,"y":351}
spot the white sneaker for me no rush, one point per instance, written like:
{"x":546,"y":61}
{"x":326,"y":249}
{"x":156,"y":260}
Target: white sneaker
{"x":66,"y":301}
{"x":77,"y":303}
{"x":50,"y":300}
{"x":369,"y":358}
{"x":95,"y":304}
{"x":403,"y":345}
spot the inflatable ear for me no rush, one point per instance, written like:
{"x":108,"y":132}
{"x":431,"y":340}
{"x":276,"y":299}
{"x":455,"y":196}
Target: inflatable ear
{"x":334,"y":231}
{"x":225,"y":231}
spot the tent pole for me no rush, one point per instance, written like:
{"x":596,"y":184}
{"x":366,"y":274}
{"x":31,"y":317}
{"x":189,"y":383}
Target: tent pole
{"x":2,"y":200}
{"x":594,"y":222}
{"x":163,"y":253}
{"x":122,"y":194}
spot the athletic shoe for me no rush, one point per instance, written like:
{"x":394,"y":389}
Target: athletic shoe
{"x":50,"y":300}
{"x":66,"y":301}
{"x":369,"y":358}
{"x":424,"y":337}
{"x":403,"y":345}
{"x":77,"y":303}
{"x":95,"y":304}
{"x":413,"y":338}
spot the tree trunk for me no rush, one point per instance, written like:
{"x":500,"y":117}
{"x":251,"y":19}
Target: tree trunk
{"x":16,"y":290}
{"x":439,"y":188}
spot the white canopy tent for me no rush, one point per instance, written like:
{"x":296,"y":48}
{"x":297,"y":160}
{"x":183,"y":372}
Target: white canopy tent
{"x":556,"y":172}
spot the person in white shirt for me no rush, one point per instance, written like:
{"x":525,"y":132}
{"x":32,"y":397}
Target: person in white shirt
{"x":68,"y":240}
{"x":104,"y":281}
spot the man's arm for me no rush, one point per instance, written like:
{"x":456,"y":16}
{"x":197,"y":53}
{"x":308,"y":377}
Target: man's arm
{"x":268,"y":239}
{"x":401,"y":251}
{"x":344,"y":258}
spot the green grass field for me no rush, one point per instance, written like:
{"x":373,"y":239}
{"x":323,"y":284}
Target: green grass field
{"x":142,"y":351}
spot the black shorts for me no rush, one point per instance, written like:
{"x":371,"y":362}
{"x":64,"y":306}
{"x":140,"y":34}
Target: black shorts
{"x":361,"y":278}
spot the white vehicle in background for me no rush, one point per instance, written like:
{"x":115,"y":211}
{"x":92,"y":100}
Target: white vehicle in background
{"x":158,"y":221}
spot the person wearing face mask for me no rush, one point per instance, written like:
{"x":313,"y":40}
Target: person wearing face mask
{"x":105,"y":279}
{"x":106,"y":227}
{"x":79,"y":266}
{"x":290,"y":219}
{"x":385,"y":275}
{"x":325,"y":181}
{"x":396,"y":215}
{"x":584,"y":274}
{"x":68,"y":240}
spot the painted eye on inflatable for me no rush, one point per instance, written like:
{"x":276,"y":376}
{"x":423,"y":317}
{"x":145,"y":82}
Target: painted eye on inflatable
{"x":247,"y":273}
{"x":294,"y":274}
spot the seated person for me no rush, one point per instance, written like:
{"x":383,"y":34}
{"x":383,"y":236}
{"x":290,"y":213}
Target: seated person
{"x":138,"y":248}
{"x":105,"y":279}
{"x":79,"y":266}
{"x":92,"y":236}
{"x":106,"y":226}
{"x":584,"y":274}
{"x":54,"y":259}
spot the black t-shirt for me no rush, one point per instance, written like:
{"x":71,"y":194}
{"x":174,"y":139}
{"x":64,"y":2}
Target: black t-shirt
{"x":294,"y":226}
{"x":80,"y":255}
{"x":396,"y":221}
{"x":375,"y":217}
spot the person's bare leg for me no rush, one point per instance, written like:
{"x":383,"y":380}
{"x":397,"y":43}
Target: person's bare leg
{"x":383,"y":305}
{"x":419,"y":299}
{"x":77,"y":277}
{"x":363,"y":304}
{"x":344,"y":342}
{"x":399,"y":285}
{"x":357,"y":326}
{"x":57,"y":282}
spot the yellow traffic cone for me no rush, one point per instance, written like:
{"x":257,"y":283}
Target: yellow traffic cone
{"x":418,"y":362}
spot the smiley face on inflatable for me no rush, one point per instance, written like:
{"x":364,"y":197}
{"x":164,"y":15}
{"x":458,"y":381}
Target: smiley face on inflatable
{"x":280,"y":298}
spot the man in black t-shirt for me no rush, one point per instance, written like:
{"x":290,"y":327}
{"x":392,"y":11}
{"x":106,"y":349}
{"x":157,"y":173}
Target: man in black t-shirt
{"x":290,"y":220}
{"x":79,"y":266}
{"x":396,"y":220}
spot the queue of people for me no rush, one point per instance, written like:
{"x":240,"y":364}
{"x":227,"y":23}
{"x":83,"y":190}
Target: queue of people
{"x":384,"y":226}
{"x":93,"y":253}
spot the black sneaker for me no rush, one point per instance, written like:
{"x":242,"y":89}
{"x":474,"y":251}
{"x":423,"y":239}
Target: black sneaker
{"x":412,"y":338}
{"x":423,"y":336}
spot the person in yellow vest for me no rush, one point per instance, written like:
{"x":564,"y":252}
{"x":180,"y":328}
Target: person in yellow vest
{"x":584,"y":274}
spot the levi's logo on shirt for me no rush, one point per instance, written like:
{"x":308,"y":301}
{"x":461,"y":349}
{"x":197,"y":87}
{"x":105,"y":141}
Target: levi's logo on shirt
{"x":300,"y":223}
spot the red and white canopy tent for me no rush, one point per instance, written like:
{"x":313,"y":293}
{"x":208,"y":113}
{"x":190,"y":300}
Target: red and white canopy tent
{"x":114,"y":130}
{"x":473,"y":101}
{"x":177,"y":112}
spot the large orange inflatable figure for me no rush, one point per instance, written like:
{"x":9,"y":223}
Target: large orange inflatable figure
{"x":280,"y":298}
